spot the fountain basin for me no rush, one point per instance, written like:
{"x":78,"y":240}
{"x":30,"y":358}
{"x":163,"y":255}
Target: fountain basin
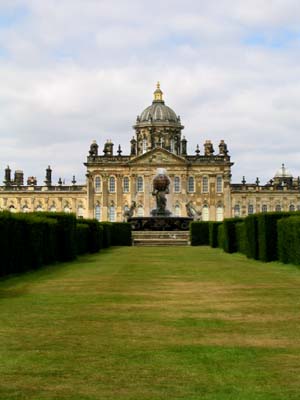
{"x":160,"y":223}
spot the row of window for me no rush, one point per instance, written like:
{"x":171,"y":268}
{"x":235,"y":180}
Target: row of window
{"x":177,"y":184}
{"x":264,"y":208}
{"x":140,"y":212}
{"x":52,"y":208}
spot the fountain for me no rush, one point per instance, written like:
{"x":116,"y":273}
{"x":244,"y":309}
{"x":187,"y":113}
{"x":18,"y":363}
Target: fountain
{"x":161,"y":218}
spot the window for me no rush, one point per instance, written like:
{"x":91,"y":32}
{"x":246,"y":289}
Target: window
{"x":219,"y":184}
{"x":191,"y":184}
{"x":25,"y":209}
{"x":250,"y":209}
{"x":205,"y":213}
{"x":144,"y":145}
{"x":112,"y":213}
{"x":177,"y":210}
{"x":67,"y":209}
{"x":237,"y":210}
{"x":140,"y":184}
{"x":12,"y":209}
{"x":112,"y":184}
{"x":219,"y":213}
{"x":97,"y":184}
{"x":172,"y":146}
{"x":264,"y":208}
{"x":53,"y":208}
{"x":98,"y":212}
{"x":292,"y":207}
{"x":278,"y":207}
{"x":39,"y":208}
{"x":80,"y":211}
{"x":126,"y":184}
{"x":205,"y":184}
{"x":140,"y":211}
{"x":176,"y":184}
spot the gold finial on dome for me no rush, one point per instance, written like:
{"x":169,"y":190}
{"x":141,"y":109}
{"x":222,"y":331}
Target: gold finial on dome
{"x":158,"y":94}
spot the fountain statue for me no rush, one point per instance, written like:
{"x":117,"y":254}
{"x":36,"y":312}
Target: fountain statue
{"x":161,"y":218}
{"x":160,"y":188}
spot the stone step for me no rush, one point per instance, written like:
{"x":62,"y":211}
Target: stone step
{"x":161,"y":242}
{"x":160,"y":238}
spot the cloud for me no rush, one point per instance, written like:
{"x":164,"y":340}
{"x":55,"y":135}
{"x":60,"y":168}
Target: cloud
{"x":74,"y":71}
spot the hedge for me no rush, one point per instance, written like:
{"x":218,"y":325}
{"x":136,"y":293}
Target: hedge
{"x":121,"y":234}
{"x":199,"y":233}
{"x":95,"y":234}
{"x":213,"y":233}
{"x":288,"y":239}
{"x":229,"y":235}
{"x":241,"y":239}
{"x":251,"y":233}
{"x":267,"y":234}
{"x":107,"y":234}
{"x":66,"y":234}
{"x":221,"y":236}
{"x":26,"y":242}
{"x":82,"y":238}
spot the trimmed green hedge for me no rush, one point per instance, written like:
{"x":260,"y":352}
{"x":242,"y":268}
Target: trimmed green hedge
{"x":82,"y":238}
{"x":251,"y":232}
{"x":241,"y":238}
{"x":230,"y":240}
{"x":26,"y":242}
{"x":121,"y":234}
{"x":289,"y":240}
{"x":66,"y":233}
{"x":199,"y":233}
{"x":95,"y":234}
{"x":267,"y":234}
{"x":221,"y":236}
{"x":213,"y":233}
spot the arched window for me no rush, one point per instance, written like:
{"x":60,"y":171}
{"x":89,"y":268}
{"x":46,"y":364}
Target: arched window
{"x":112,"y":184}
{"x":237,"y":210}
{"x":53,"y":208}
{"x":177,"y":188}
{"x":291,"y":207}
{"x":250,"y":209}
{"x":205,"y":213}
{"x":205,"y":184}
{"x":98,"y":212}
{"x":126,"y":184}
{"x":140,"y":184}
{"x":97,"y":184}
{"x":172,"y":145}
{"x":112,"y":213}
{"x":264,"y":208}
{"x":12,"y":208}
{"x":39,"y":208}
{"x":25,"y":209}
{"x":219,"y":213}
{"x":144,"y":145}
{"x":67,"y":209}
{"x":191,"y":184}
{"x":177,"y":210}
{"x":219,"y":184}
{"x":278,"y":207}
{"x":140,"y":211}
{"x":80,"y":211}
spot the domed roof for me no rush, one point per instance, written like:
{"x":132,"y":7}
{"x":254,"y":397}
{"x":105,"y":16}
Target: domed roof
{"x":158,"y":111}
{"x":283,"y":173}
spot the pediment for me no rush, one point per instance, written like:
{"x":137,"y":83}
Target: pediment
{"x":158,"y":156}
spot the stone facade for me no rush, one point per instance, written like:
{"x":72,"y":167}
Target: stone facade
{"x":116,"y":182}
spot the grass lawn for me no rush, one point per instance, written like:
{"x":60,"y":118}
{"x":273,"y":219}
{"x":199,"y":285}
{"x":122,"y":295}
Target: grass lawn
{"x":152,"y":323}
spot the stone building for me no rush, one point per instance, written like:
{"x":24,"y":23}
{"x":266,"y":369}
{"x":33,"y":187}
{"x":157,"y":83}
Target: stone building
{"x":114,"y":181}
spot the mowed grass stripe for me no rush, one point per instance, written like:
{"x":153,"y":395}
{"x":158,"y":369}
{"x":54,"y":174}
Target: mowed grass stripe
{"x":152,"y":323}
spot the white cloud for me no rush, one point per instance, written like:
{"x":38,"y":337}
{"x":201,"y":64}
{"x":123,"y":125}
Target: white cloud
{"x":72,"y":71}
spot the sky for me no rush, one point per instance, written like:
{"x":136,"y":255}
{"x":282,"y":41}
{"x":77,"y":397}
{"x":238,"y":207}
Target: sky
{"x":72,"y":71}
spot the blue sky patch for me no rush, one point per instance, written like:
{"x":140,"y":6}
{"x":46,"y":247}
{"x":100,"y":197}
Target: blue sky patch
{"x":272,"y":39}
{"x":12,"y":17}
